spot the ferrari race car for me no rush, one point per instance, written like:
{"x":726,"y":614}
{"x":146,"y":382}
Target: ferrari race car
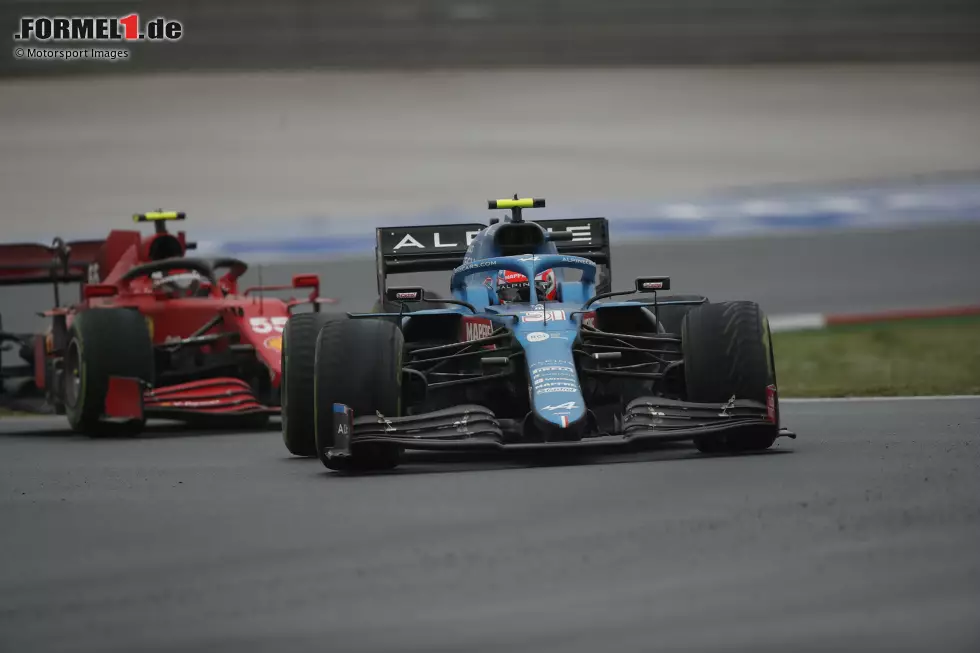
{"x":155,"y":334}
{"x":552,"y":366}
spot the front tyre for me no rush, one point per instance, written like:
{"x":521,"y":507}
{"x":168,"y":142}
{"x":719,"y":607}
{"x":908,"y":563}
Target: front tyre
{"x":358,"y":363}
{"x":102,"y":343}
{"x":728,"y":352}
{"x":298,"y":365}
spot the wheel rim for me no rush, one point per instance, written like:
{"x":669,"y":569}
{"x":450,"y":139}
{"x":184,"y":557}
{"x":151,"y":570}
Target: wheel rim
{"x":73,"y":369}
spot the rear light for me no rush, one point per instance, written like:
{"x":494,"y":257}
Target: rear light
{"x":96,"y":290}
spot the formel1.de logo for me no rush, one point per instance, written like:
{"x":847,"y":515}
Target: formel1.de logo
{"x":65,"y":29}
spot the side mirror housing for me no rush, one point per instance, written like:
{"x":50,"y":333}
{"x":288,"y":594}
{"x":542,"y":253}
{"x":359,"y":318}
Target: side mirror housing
{"x":652,"y":284}
{"x":306,"y":281}
{"x":407,"y":294}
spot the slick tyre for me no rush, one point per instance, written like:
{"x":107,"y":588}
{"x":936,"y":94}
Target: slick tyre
{"x":358,"y":363}
{"x":298,"y":366}
{"x":672,"y":317}
{"x":728,"y":352}
{"x":104,"y":342}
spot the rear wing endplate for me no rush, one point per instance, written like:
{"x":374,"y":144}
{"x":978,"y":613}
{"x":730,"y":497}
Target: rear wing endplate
{"x":433,"y":248}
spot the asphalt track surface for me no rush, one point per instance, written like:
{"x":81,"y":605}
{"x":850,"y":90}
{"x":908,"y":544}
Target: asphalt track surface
{"x":862,"y":534}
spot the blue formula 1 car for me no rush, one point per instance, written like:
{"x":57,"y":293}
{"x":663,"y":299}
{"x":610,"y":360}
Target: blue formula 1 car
{"x":528,"y":353}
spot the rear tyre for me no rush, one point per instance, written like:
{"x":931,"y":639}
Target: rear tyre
{"x":102,"y":343}
{"x":298,"y":365}
{"x":672,"y":317}
{"x":358,"y":363}
{"x":728,"y":352}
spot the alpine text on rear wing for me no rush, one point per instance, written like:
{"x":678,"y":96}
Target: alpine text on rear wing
{"x":430,"y":248}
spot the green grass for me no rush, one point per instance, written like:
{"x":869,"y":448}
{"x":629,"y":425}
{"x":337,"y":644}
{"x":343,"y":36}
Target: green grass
{"x":914,"y":357}
{"x":906,"y":358}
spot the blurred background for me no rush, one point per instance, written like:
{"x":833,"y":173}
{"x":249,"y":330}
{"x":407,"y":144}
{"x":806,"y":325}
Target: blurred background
{"x":291,"y":34}
{"x":289,"y":130}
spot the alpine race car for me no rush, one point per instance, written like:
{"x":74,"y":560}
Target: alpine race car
{"x":155,"y":334}
{"x":526,"y":354}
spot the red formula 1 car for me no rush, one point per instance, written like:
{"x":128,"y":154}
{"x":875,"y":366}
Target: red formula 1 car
{"x":155,"y":334}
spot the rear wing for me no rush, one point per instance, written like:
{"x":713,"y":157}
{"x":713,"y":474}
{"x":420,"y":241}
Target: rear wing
{"x":33,"y":263}
{"x":432,"y":248}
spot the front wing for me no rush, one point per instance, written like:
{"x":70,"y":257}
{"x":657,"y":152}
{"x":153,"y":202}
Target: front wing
{"x":475,"y":428}
{"x":211,"y":398}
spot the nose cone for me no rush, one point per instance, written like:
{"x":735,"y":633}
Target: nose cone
{"x":555,"y":392}
{"x":548,"y":335}
{"x":561,"y":421}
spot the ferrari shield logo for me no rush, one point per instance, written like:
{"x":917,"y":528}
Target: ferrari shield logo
{"x":274,"y":342}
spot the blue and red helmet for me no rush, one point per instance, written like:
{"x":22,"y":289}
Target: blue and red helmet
{"x":513,"y":287}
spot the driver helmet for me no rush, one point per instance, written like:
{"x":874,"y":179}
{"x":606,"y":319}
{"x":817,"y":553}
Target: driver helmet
{"x":512,"y":287}
{"x":181,"y":284}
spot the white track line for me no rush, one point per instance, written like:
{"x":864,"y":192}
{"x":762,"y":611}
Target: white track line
{"x":798,"y":322}
{"x":816,"y":321}
{"x":823,"y":400}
